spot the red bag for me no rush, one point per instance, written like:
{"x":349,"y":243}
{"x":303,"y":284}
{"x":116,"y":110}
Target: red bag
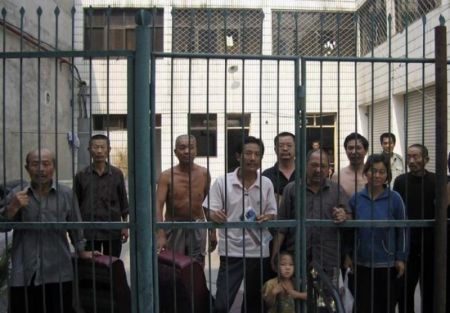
{"x":182,"y":284}
{"x":106,"y":268}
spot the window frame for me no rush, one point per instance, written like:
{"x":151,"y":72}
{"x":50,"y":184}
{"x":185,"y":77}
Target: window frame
{"x":121,"y":20}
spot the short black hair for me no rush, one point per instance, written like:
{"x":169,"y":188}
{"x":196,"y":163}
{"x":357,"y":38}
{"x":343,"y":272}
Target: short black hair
{"x":377,"y":158}
{"x":387,"y":135}
{"x":282,"y":134}
{"x":423,"y":149}
{"x":357,"y":136}
{"x":247,"y":140}
{"x":100,"y":137}
{"x":283,"y":253}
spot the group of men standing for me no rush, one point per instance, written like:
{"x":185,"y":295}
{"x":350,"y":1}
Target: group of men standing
{"x":272,"y":195}
{"x":41,"y":260}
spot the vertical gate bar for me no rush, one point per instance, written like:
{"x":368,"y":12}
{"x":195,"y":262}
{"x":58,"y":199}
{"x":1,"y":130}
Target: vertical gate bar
{"x":141,"y":149}
{"x":210,"y":296}
{"x":244,"y":300}
{"x":300,"y":149}
{"x":355,"y":86}
{"x":131,"y":185}
{"x":152,"y":160}
{"x":108,"y":123}
{"x":4,"y":13}
{"x":406,"y":104}
{"x":422,"y":205}
{"x":39,"y":145}
{"x":22,"y":13}
{"x":261,"y":136}
{"x":39,"y":131}
{"x":4,"y":102}
{"x":338,"y":27}
{"x":440,"y":233}
{"x":56,"y":14}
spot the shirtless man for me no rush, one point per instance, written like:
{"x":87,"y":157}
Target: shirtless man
{"x":351,"y":177}
{"x":182,"y":190}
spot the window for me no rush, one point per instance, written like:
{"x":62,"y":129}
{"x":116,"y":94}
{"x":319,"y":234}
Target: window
{"x":114,"y":29}
{"x":204,"y":128}
{"x":313,"y":33}
{"x":217,"y":31}
{"x":238,"y":125}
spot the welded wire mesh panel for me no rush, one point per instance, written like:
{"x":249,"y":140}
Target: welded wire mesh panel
{"x":217,"y":31}
{"x":313,"y":33}
{"x":372,"y":19}
{"x":408,"y":11}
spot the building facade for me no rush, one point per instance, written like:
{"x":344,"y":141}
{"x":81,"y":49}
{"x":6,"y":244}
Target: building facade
{"x":218,"y":99}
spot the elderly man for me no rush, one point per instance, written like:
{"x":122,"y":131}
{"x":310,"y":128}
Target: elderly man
{"x":417,"y":189}
{"x":182,"y":189}
{"x":41,"y":274}
{"x":325,"y":200}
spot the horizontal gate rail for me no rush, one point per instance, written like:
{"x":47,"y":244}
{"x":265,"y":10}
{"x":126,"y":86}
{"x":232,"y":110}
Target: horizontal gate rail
{"x":62,"y":54}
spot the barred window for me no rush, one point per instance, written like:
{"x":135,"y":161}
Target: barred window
{"x":120,"y":22}
{"x":408,"y":11}
{"x":372,"y":24}
{"x":217,"y":31}
{"x":313,"y":33}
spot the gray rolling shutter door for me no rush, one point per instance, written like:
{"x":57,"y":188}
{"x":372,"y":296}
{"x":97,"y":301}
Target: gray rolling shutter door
{"x":380,"y":124}
{"x":421,"y":123}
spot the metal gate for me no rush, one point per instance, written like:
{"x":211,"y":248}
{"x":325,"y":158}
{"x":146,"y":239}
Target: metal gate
{"x":275,"y":89}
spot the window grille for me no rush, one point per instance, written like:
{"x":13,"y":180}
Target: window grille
{"x":313,"y":33}
{"x":120,"y":24}
{"x":372,"y":19}
{"x":217,"y":31}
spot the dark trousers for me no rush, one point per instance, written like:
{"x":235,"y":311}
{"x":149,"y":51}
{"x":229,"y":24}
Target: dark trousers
{"x":48,"y":298}
{"x":231,"y":273}
{"x":107,"y":247}
{"x":375,"y":293}
{"x":406,"y":285}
